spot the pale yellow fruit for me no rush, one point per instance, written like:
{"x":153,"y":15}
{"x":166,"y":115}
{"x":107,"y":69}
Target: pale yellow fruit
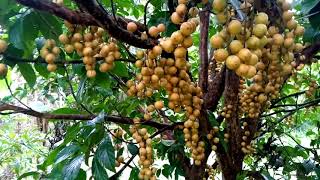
{"x":235,"y":46}
{"x":181,"y":9}
{"x":220,"y":55}
{"x":222,"y":17}
{"x":234,"y":27}
{"x":252,"y":71}
{"x":158,"y":105}
{"x":292,"y":24}
{"x":260,"y":30}
{"x":219,"y":5}
{"x":242,"y":70}
{"x":175,"y":18}
{"x":253,"y":42}
{"x":253,"y":60}
{"x":3,"y":69}
{"x":287,"y":15}
{"x":244,"y":55}
{"x":51,"y":67}
{"x":91,"y":73}
{"x":278,"y":39}
{"x":63,"y":38}
{"x":216,"y":41}
{"x":132,"y":27}
{"x":261,"y":18}
{"x":299,"y":31}
{"x":161,"y":27}
{"x":233,"y":62}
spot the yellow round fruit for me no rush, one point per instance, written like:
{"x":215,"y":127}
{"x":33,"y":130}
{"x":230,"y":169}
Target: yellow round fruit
{"x":181,"y":9}
{"x":3,"y":69}
{"x":233,"y":62}
{"x":287,"y":15}
{"x":158,"y":105}
{"x":186,"y":28}
{"x":222,"y":17}
{"x":104,"y":67}
{"x":235,"y":46}
{"x":180,"y":52}
{"x":175,"y":18}
{"x":244,"y":55}
{"x":177,"y":37}
{"x":219,"y":5}
{"x":161,"y":27}
{"x":286,"y":69}
{"x":193,"y":12}
{"x":260,"y":30}
{"x":252,"y":71}
{"x":261,"y":18}
{"x":68,"y":48}
{"x":234,"y":27}
{"x":216,"y":41}
{"x":220,"y":55}
{"x":51,"y":67}
{"x":288,"y":42}
{"x":278,"y":39}
{"x":286,"y":6}
{"x":253,"y":60}
{"x":132,"y":27}
{"x":187,"y":42}
{"x":299,"y":31}
{"x":292,"y":24}
{"x":273,"y":30}
{"x":3,"y":46}
{"x":242,"y":70}
{"x":50,"y":58}
{"x":63,"y":38}
{"x":167,"y":45}
{"x":253,"y":42}
{"x":153,"y":31}
{"x":91,"y":73}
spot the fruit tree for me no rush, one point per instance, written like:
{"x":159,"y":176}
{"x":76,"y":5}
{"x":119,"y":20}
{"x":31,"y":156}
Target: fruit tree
{"x":205,"y":88}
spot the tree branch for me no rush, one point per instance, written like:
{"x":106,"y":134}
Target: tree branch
{"x":204,"y":60}
{"x":104,"y":20}
{"x":82,"y":117}
{"x":97,"y":17}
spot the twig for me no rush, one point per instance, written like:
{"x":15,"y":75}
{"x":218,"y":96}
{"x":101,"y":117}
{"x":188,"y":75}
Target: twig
{"x":72,"y":92}
{"x":116,"y":175}
{"x":113,"y":12}
{"x":145,"y":14}
{"x":10,"y":90}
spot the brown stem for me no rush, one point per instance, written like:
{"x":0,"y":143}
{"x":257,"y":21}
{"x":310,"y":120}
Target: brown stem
{"x":204,"y":60}
{"x":83,"y":117}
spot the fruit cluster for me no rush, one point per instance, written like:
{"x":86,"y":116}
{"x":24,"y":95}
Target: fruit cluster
{"x":49,"y":53}
{"x":3,"y":48}
{"x":171,"y":74}
{"x":145,"y":150}
{"x":312,"y":88}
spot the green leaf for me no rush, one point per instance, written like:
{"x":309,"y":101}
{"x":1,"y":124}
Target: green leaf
{"x":66,"y":111}
{"x":67,"y":152}
{"x":105,"y":154}
{"x":71,"y":170}
{"x":48,"y":25}
{"x":42,"y":70}
{"x":82,"y":175}
{"x":307,"y":5}
{"x":134,"y":174}
{"x":98,"y":170}
{"x":120,"y":69}
{"x":28,"y":73}
{"x":35,"y":175}
{"x":133,"y":149}
{"x":15,"y":32}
